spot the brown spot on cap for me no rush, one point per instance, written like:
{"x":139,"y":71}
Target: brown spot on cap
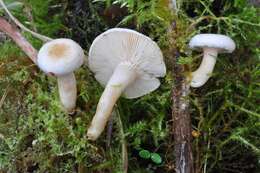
{"x":58,"y":50}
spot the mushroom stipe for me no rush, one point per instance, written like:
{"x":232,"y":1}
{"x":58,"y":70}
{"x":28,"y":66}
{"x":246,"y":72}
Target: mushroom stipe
{"x":60,"y":57}
{"x":125,"y":62}
{"x":212,"y":45}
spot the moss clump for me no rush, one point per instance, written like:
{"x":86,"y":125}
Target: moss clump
{"x":37,"y":136}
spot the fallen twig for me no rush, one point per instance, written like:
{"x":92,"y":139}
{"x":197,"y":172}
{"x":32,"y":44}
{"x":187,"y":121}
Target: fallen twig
{"x":18,"y":23}
{"x":17,"y":37}
{"x":181,"y":120}
{"x":180,"y":110}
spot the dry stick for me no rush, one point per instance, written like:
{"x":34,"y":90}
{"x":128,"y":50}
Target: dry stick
{"x":17,"y":37}
{"x":181,"y":120}
{"x":180,"y":114}
{"x":18,"y":23}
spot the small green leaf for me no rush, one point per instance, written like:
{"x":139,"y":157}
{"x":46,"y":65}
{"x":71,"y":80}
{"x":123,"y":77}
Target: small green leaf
{"x":78,"y":120}
{"x":145,"y":154}
{"x":156,"y":158}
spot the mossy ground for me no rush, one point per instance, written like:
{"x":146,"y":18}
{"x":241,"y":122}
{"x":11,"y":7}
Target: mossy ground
{"x":36,"y":135}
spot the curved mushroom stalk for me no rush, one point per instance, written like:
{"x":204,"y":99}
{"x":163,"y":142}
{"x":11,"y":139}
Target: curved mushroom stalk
{"x":123,"y":76}
{"x":124,"y":61}
{"x":67,"y":91}
{"x":203,"y":73}
{"x":212,"y":45}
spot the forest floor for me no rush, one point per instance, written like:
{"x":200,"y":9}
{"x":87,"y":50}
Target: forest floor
{"x":37,"y":136}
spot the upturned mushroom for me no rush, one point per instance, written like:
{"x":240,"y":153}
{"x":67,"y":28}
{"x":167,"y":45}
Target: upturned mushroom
{"x":60,"y":57}
{"x":212,"y":45}
{"x":125,"y":62}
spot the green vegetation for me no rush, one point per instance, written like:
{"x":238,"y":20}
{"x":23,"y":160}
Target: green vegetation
{"x":37,"y":136}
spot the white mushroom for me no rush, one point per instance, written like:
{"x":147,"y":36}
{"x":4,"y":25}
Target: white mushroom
{"x":61,"y":57}
{"x":125,"y":62}
{"x":212,"y":44}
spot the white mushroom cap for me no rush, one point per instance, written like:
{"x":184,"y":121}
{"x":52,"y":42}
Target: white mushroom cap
{"x":60,"y":56}
{"x":223,"y":43}
{"x":124,"y":45}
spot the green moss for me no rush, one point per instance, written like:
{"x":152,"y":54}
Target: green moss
{"x":36,"y":134}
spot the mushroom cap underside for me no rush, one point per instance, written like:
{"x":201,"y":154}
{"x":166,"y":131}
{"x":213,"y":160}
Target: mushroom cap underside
{"x":60,"y":56}
{"x":223,"y":43}
{"x":120,"y":45}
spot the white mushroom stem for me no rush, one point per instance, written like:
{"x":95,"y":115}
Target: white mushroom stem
{"x":68,"y":91}
{"x":123,"y":75}
{"x":203,"y":73}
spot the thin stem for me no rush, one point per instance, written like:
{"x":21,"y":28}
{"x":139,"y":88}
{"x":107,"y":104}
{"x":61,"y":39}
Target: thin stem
{"x":257,"y":115}
{"x":214,"y":117}
{"x":124,"y":145}
{"x":18,"y":23}
{"x":4,"y":96}
{"x":207,"y":8}
{"x":13,"y":5}
{"x":206,"y":160}
{"x":227,"y":20}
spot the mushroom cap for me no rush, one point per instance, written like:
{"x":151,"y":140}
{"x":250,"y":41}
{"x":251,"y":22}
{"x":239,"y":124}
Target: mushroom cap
{"x":223,"y":43}
{"x":124,"y":45}
{"x":60,"y":56}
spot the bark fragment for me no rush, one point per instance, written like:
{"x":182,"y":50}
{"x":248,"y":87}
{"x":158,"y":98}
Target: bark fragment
{"x":180,"y":112}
